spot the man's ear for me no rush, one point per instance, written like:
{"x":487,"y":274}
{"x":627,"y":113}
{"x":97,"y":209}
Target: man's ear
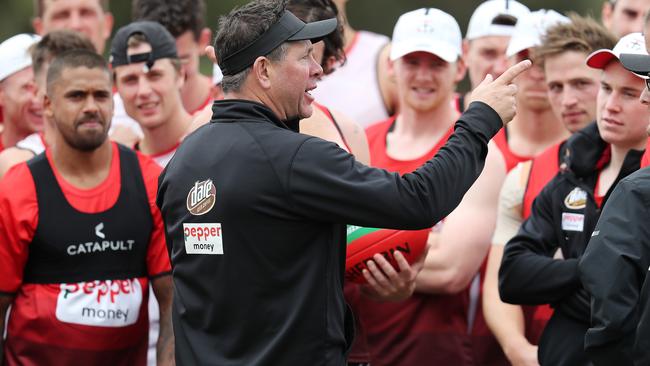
{"x":461,"y":70}
{"x":37,"y":24}
{"x":606,"y":14}
{"x":262,"y":69}
{"x":108,"y":25}
{"x":47,"y":107}
{"x":205,"y":39}
{"x":465,"y":48}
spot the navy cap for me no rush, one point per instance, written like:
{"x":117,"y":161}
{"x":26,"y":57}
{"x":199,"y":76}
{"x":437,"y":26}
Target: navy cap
{"x":163,"y":44}
{"x":288,"y":28}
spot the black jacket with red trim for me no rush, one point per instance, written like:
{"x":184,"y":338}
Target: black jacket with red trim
{"x":563,"y":217}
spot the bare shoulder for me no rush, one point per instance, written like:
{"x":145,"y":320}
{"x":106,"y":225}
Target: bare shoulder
{"x":355,"y":135}
{"x":12,"y":156}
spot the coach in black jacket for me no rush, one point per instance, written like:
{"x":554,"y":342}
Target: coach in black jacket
{"x":255,"y":212}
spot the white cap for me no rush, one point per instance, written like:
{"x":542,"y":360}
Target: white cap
{"x":482,"y":22}
{"x":429,"y":30}
{"x":531,"y":28}
{"x":14,"y":54}
{"x":632,"y":43}
{"x":217,"y":75}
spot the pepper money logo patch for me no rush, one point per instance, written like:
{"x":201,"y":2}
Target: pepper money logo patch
{"x":576,"y":199}
{"x":201,"y":198}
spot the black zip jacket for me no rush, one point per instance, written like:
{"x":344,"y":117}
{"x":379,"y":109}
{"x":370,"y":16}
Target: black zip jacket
{"x":614,"y":270}
{"x":282,"y":199}
{"x":563,"y":216}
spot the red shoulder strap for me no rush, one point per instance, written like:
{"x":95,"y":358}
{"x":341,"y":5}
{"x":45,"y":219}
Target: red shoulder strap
{"x":543,"y":169}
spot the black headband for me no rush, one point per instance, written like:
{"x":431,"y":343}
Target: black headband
{"x":287,"y":28}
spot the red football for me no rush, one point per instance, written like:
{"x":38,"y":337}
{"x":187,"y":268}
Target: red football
{"x":365,"y":242}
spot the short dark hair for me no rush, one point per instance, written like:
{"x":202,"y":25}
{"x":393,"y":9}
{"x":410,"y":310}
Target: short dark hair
{"x":242,"y":26}
{"x":314,"y":10}
{"x":73,"y":59}
{"x":581,"y":34}
{"x":178,"y":16}
{"x":54,"y":44}
{"x":39,"y":6}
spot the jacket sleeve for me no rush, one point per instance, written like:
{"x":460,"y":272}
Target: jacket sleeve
{"x":613,"y":269}
{"x":326,"y":184}
{"x":529,"y":274}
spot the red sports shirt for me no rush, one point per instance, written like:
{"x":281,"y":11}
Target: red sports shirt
{"x":39,"y":330}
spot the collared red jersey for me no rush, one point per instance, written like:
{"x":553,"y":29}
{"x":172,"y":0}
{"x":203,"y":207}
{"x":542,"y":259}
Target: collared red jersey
{"x":256,"y":216}
{"x":81,"y":301}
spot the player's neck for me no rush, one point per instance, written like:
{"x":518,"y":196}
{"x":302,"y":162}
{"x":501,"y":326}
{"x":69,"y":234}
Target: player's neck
{"x":418,"y":124}
{"x":415,"y":133}
{"x":82,"y":169}
{"x":531,"y":131}
{"x":164,"y":137}
{"x":195,"y":92}
{"x":612,"y":170}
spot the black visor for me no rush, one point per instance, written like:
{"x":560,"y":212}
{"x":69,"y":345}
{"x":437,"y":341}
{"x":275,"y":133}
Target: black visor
{"x":288,"y":28}
{"x":638,"y":64}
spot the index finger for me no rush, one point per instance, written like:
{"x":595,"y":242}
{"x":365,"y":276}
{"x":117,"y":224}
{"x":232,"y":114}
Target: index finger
{"x":514,"y":71}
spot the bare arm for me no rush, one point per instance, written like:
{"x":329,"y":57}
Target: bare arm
{"x":504,"y":320}
{"x":355,"y":136}
{"x":445,"y":271}
{"x":5,"y":301}
{"x":162,"y":288}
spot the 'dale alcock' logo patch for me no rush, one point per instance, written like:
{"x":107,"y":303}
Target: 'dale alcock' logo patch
{"x":201,"y":198}
{"x":576,"y":199}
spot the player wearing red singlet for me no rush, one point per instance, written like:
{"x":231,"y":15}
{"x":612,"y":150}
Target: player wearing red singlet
{"x":42,"y":53}
{"x":535,"y":127}
{"x":75,"y":272}
{"x":439,"y":323}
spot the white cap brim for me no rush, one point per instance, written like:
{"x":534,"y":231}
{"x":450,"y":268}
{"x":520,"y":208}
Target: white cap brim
{"x":444,"y":51}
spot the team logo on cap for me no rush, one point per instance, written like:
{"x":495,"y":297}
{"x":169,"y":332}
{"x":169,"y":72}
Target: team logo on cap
{"x":576,"y":199}
{"x":201,"y":198}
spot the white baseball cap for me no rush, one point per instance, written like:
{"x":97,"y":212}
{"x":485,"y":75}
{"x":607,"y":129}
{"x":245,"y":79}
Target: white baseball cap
{"x":485,"y":19}
{"x":217,"y":75}
{"x":531,"y":28}
{"x":429,"y":30}
{"x":14,"y":54}
{"x":632,"y":43}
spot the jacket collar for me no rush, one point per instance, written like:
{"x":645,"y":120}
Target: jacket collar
{"x":587,"y":152}
{"x":237,"y":110}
